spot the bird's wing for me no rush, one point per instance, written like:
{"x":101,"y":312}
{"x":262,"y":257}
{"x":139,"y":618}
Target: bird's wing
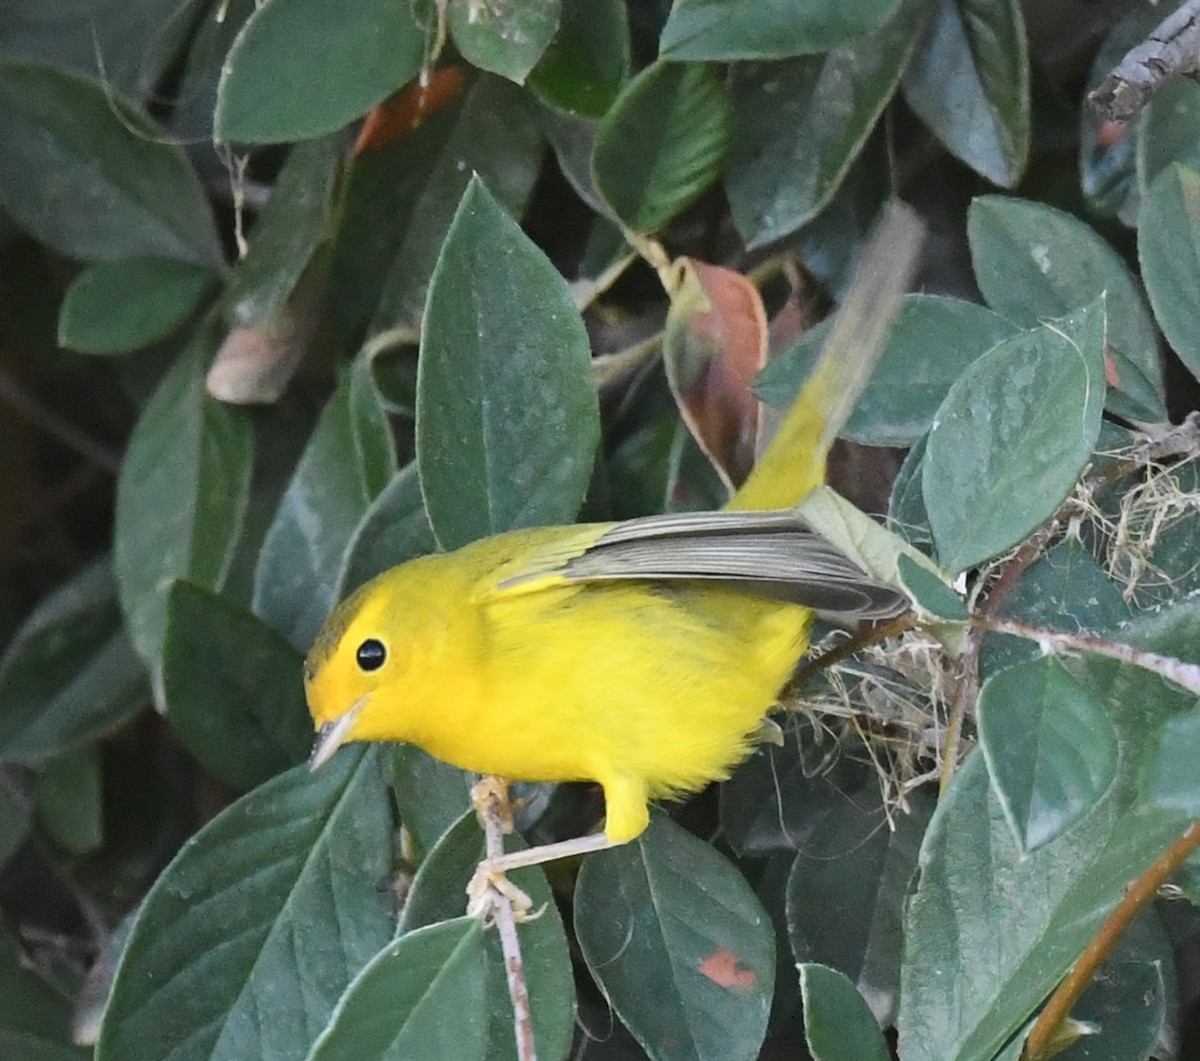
{"x":770,"y":554}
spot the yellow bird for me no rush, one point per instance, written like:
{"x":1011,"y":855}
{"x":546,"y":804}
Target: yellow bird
{"x":642,"y":655}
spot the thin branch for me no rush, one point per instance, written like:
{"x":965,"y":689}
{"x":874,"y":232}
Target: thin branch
{"x":1042,"y":1036}
{"x":56,"y":426}
{"x":495,"y":814}
{"x":1173,"y":47}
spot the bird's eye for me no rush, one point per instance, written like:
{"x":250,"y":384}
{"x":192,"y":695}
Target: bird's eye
{"x":370,"y":654}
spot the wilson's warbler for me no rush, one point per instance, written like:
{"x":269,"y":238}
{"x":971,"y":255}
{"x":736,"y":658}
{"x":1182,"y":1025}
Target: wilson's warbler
{"x":642,"y":655}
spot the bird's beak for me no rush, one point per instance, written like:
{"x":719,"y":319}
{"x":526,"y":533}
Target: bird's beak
{"x":332,"y":735}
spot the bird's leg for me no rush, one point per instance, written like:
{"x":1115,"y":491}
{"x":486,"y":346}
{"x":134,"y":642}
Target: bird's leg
{"x":491,"y":803}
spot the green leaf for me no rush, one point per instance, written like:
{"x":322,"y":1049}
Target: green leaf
{"x":931,"y":344}
{"x":769,"y":29}
{"x":430,"y":795}
{"x":662,"y":143}
{"x":1033,"y":262}
{"x":400,"y":198}
{"x":393,"y":530}
{"x":969,"y":82}
{"x":115,"y":307}
{"x":679,"y":944}
{"x":838,"y":1025}
{"x":438,"y":893}
{"x":507,"y":39}
{"x":1127,"y":1005}
{"x":14,"y":827}
{"x":801,"y":123}
{"x":507,"y":417}
{"x":1050,"y":748}
{"x":1171,"y":780}
{"x":990,"y":930}
{"x":88,"y":174}
{"x":70,"y":674}
{"x":906,"y":506}
{"x":349,"y":460}
{"x":181,"y":495}
{"x":859,"y":862}
{"x":587,"y":62}
{"x":421,"y":996}
{"x":69,"y":806}
{"x":272,"y":907}
{"x":1012,"y":437}
{"x":303,"y":68}
{"x":35,"y":1019}
{"x":232,"y":689}
{"x":1169,"y":252}
{"x":1169,"y":130}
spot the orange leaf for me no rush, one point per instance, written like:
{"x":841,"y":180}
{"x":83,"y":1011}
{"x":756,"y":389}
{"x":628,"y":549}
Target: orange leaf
{"x":404,"y":110}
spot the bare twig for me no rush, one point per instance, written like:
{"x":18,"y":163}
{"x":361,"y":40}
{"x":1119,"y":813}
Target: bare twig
{"x":1038,"y":1045}
{"x":496,"y":814}
{"x":1172,"y":48}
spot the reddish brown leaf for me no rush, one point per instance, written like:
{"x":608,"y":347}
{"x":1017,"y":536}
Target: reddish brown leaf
{"x":403,"y":111}
{"x":722,"y":969}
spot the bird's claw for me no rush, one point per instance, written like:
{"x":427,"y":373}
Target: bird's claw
{"x":490,"y":886}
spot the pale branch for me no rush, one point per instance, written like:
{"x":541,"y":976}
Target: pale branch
{"x":1173,"y":47}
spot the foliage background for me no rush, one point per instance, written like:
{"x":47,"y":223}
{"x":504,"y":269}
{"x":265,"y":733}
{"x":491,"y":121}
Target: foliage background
{"x":226,"y":233}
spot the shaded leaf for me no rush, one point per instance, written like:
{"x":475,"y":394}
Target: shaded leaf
{"x":662,"y":143}
{"x":1050,"y":748}
{"x":507,"y":417}
{"x":969,"y":82}
{"x":1169,"y":130}
{"x":1170,"y":779}
{"x":232,"y":689}
{"x":1033,"y":262}
{"x":35,"y":1019}
{"x":68,"y":794}
{"x":587,"y":62}
{"x":301,"y":68}
{"x":770,"y":29}
{"x":801,"y":123}
{"x":115,"y":307}
{"x":14,"y":827}
{"x":838,"y":1025}
{"x":70,"y":674}
{"x":349,"y":460}
{"x":87,"y":174}
{"x":181,"y":495}
{"x":1012,"y":437}
{"x":272,"y":907}
{"x":679,"y":944}
{"x":430,"y":795}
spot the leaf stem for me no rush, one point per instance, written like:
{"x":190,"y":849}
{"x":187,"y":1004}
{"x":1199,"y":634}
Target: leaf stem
{"x":1042,"y":1041}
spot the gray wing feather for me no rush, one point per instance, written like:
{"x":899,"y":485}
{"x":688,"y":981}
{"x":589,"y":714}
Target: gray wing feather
{"x":767,"y":554}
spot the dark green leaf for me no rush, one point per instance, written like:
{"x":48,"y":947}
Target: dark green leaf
{"x":838,"y":1025}
{"x":439,"y":893}
{"x":662,"y":143}
{"x":232,"y":689}
{"x":679,"y":944}
{"x":348,"y":462}
{"x":859,"y":862}
{"x":68,"y":794}
{"x":430,"y":795}
{"x":507,"y":39}
{"x":1033,"y":262}
{"x":769,"y":29}
{"x":990,"y":931}
{"x":801,"y":123}
{"x":1012,"y":437}
{"x":272,"y":907}
{"x":588,"y":61}
{"x":400,"y":197}
{"x":87,"y":174}
{"x":1127,"y":1005}
{"x":115,"y":307}
{"x":181,"y":495}
{"x":71,"y":673}
{"x":1050,"y":748}
{"x":507,"y":417}
{"x":1171,"y":778}
{"x":969,"y":82}
{"x":1169,"y":250}
{"x":421,"y":996}
{"x":14,"y":827}
{"x":930,"y":593}
{"x":932,"y":342}
{"x":394,"y":529}
{"x":906,"y":507}
{"x":303,"y":68}
{"x":35,"y":1019}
